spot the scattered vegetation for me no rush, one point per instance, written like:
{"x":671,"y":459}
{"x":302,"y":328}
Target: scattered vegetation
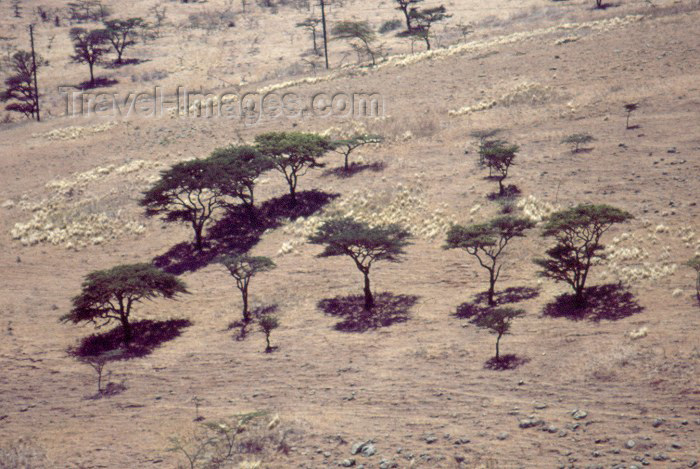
{"x":246,"y":440}
{"x":109,"y":295}
{"x":694,"y":263}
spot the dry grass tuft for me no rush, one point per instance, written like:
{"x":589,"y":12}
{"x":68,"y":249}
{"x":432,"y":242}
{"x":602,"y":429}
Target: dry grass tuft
{"x":404,"y":205}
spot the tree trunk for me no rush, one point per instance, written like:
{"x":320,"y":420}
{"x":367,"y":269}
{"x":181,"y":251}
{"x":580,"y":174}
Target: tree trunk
{"x":427,"y":42}
{"x":501,"y":188}
{"x":369,"y":299}
{"x":628,"y":119}
{"x":492,"y":287}
{"x":293,"y":193}
{"x":198,"y":242}
{"x":268,"y":349}
{"x":347,"y":163}
{"x":498,"y":340}
{"x":126,"y":328}
{"x":246,"y":314}
{"x":92,"y":76}
{"x":408,"y":19}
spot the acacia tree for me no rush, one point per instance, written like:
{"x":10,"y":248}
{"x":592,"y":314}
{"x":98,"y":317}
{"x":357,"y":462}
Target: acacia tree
{"x":110,"y":294}
{"x":360,"y":34}
{"x":122,"y":33}
{"x":293,"y":154}
{"x":348,"y":145}
{"x":423,"y":20}
{"x":498,"y":156}
{"x":577,"y":232}
{"x":694,"y":263}
{"x":498,"y":321}
{"x":268,"y":323}
{"x":243,"y":164}
{"x":190,"y":192}
{"x":89,"y":47}
{"x":577,"y":140}
{"x":405,"y":7}
{"x":311,"y":25}
{"x":244,"y":267}
{"x":20,"y":87}
{"x":487,"y":242}
{"x":363,"y":244}
{"x":630,"y":108}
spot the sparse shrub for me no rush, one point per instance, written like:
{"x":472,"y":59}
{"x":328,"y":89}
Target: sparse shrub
{"x":363,"y":244}
{"x":231,"y":443}
{"x":389,"y":26}
{"x":577,"y":232}
{"x":348,"y":145}
{"x":109,"y":295}
{"x":293,"y":154}
{"x":630,"y":108}
{"x":98,"y":362}
{"x":498,"y":156}
{"x":694,"y":263}
{"x":87,"y":10}
{"x":211,"y":20}
{"x":498,"y":321}
{"x":577,"y":140}
{"x":23,"y":454}
{"x":268,"y":323}
{"x":243,"y":268}
{"x":487,"y":242}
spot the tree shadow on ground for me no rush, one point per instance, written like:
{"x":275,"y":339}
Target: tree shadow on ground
{"x":124,"y":63}
{"x":353,"y":169}
{"x":505,"y":362}
{"x":240,"y":229}
{"x":510,"y":191}
{"x":388,"y":309}
{"x":148,"y":335}
{"x":100,"y":82}
{"x":509,"y":295}
{"x":603,"y":302}
{"x":243,"y":327}
{"x":472,"y":310}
